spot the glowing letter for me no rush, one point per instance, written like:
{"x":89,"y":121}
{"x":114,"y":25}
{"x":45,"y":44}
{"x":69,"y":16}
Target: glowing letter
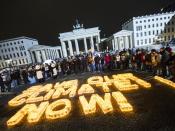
{"x":52,"y":114}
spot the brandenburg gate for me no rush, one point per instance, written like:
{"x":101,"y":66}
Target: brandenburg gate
{"x":80,"y":40}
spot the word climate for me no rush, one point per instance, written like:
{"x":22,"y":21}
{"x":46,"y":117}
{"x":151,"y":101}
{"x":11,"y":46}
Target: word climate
{"x":49,"y":102}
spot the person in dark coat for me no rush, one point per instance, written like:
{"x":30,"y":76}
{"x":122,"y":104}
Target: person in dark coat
{"x":2,"y":84}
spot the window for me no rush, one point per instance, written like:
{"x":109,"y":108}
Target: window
{"x":157,"y":32}
{"x":144,"y":20}
{"x":172,"y":22}
{"x":137,"y":42}
{"x":16,"y":48}
{"x":10,"y":56}
{"x":168,"y":17}
{"x":18,"y":54}
{"x":23,"y":61}
{"x":145,"y":27}
{"x":153,"y":25}
{"x":141,"y":42}
{"x":172,"y":29}
{"x":19,"y":61}
{"x":145,"y":41}
{"x":14,"y":55}
{"x":2,"y":51}
{"x":14,"y":43}
{"x":137,"y":34}
{"x":25,"y":53}
{"x":153,"y":32}
{"x":165,"y":30}
{"x":0,"y":58}
{"x":148,"y":20}
{"x":149,"y":40}
{"x":141,"y":34}
{"x":145,"y":33}
{"x":149,"y":26}
{"x":140,"y":21}
{"x":161,"y":24}
{"x":169,"y":37}
{"x":21,"y":54}
{"x":168,"y":30}
{"x":157,"y":19}
{"x":7,"y":44}
{"x":5,"y":50}
{"x":21,"y":41}
{"x":138,"y":28}
{"x":164,"y":18}
{"x":165,"y":38}
{"x":157,"y":25}
{"x":152,"y":19}
{"x":153,"y":40}
{"x":9,"y":49}
{"x":161,"y":18}
{"x":149,"y":32}
{"x":10,"y":43}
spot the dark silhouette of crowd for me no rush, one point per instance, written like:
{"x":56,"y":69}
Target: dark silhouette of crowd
{"x":158,"y":62}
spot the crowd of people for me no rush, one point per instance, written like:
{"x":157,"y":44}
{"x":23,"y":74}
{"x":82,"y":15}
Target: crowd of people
{"x":158,"y":62}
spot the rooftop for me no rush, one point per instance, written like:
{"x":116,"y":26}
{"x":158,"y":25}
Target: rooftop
{"x":18,"y":38}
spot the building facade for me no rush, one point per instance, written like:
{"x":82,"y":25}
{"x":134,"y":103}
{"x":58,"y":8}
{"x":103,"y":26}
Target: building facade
{"x":148,"y":29}
{"x":80,"y":40}
{"x":118,"y":41}
{"x":41,"y":53}
{"x":16,"y":51}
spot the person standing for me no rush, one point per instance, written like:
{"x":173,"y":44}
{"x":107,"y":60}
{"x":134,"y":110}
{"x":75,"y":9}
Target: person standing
{"x":2,"y":84}
{"x":54,"y":70}
{"x":39,"y":74}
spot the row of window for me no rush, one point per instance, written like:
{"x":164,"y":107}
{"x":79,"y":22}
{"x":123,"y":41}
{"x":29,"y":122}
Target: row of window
{"x":14,"y":63}
{"x":139,"y":28}
{"x":153,"y":19}
{"x":21,"y":48}
{"x":14,"y":55}
{"x":154,"y":32}
{"x":11,"y":43}
{"x":150,"y":40}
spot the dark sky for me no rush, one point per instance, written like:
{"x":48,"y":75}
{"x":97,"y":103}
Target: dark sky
{"x":45,"y":19}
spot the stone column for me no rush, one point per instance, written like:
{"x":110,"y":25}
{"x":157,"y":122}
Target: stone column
{"x":118,"y":43}
{"x":63,"y":45}
{"x":77,"y":47}
{"x":85,"y":45}
{"x":131,"y":46}
{"x":113,"y":46}
{"x":126,"y":42}
{"x":98,"y":38}
{"x":43,"y":55}
{"x":38,"y":56}
{"x":98,"y":42}
{"x":70,"y":48}
{"x":92,"y":43}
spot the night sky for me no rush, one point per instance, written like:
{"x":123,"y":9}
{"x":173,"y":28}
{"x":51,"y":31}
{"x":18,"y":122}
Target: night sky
{"x":45,"y":19}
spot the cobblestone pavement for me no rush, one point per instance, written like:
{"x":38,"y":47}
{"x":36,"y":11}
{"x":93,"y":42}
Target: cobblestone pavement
{"x":154,"y":109}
